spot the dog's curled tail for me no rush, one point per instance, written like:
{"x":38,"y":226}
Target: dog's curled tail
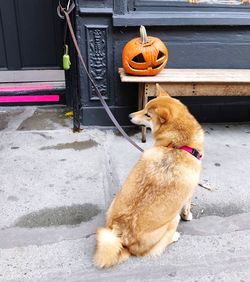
{"x":109,"y":249}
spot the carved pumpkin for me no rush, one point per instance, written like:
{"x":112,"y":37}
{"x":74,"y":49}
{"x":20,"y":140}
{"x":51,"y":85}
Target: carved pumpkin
{"x":145,"y":55}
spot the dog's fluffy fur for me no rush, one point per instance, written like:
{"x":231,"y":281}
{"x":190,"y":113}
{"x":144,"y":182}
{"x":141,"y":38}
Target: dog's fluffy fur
{"x":143,"y":218}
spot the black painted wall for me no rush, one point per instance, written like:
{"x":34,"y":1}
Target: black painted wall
{"x":197,"y":36}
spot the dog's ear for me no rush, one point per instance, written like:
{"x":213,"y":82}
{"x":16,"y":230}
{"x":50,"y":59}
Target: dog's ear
{"x":163,"y":114}
{"x":160,"y":92}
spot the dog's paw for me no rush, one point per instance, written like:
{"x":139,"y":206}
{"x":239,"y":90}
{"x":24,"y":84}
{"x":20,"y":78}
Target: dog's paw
{"x":193,"y":1}
{"x":176,"y":236}
{"x":187,"y":217}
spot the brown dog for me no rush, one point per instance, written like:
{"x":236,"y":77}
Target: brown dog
{"x":143,"y":217}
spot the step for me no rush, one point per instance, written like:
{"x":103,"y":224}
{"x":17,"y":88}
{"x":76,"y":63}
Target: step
{"x":32,"y":93}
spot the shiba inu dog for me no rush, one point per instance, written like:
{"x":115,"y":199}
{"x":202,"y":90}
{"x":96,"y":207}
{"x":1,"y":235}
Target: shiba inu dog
{"x":143,"y":217}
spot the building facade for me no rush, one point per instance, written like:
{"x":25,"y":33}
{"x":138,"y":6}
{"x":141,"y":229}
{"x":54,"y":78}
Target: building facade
{"x":203,"y":34}
{"x":208,"y":34}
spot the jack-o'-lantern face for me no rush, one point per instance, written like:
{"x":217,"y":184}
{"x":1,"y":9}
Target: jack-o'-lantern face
{"x":144,"y":55}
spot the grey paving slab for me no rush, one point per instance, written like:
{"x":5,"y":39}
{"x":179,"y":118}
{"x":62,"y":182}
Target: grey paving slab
{"x":48,"y":171}
{"x":193,"y":258}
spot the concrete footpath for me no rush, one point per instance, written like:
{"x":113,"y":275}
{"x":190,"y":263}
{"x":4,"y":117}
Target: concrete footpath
{"x":55,"y":187}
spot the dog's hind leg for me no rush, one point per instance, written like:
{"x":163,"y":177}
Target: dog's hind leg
{"x":186,"y":214}
{"x":168,"y":238}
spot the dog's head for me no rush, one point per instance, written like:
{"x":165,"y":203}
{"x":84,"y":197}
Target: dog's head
{"x":169,"y":119}
{"x":160,"y":111}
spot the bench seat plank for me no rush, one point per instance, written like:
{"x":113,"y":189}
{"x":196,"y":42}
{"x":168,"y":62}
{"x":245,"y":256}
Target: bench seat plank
{"x":192,"y":76}
{"x":202,"y":89}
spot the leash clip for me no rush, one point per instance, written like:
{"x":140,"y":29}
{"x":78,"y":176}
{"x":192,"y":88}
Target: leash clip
{"x":61,"y":10}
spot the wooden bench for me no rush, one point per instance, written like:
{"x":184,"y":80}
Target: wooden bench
{"x":191,"y":82}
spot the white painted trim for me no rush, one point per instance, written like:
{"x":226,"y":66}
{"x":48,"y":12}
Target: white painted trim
{"x":31,"y":76}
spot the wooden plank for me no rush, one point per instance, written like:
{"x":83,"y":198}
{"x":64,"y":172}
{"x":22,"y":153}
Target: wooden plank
{"x":201,"y":89}
{"x":31,"y":76}
{"x":192,"y":75}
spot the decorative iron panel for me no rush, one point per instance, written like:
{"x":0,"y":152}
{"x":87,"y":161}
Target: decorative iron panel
{"x":97,"y":59}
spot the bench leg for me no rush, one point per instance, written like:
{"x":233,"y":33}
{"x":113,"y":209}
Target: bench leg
{"x":142,"y":100}
{"x":143,"y":128}
{"x":140,"y":96}
{"x":143,"y":134}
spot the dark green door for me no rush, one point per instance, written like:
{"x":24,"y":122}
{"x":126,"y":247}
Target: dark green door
{"x":30,"y":35}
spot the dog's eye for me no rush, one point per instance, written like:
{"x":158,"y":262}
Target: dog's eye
{"x":147,"y":115}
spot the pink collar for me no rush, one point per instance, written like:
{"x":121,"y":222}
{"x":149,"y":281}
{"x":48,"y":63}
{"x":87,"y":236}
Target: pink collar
{"x":192,"y":151}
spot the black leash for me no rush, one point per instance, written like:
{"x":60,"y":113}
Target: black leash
{"x":66,"y":12}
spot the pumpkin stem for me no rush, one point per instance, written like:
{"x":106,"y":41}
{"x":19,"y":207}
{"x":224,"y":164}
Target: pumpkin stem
{"x":143,"y":34}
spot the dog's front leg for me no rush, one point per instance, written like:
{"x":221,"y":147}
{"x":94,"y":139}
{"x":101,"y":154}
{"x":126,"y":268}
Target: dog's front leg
{"x":245,"y":1}
{"x":186,"y":213}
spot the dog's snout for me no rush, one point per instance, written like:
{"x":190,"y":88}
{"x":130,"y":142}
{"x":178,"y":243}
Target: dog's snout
{"x":130,"y":115}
